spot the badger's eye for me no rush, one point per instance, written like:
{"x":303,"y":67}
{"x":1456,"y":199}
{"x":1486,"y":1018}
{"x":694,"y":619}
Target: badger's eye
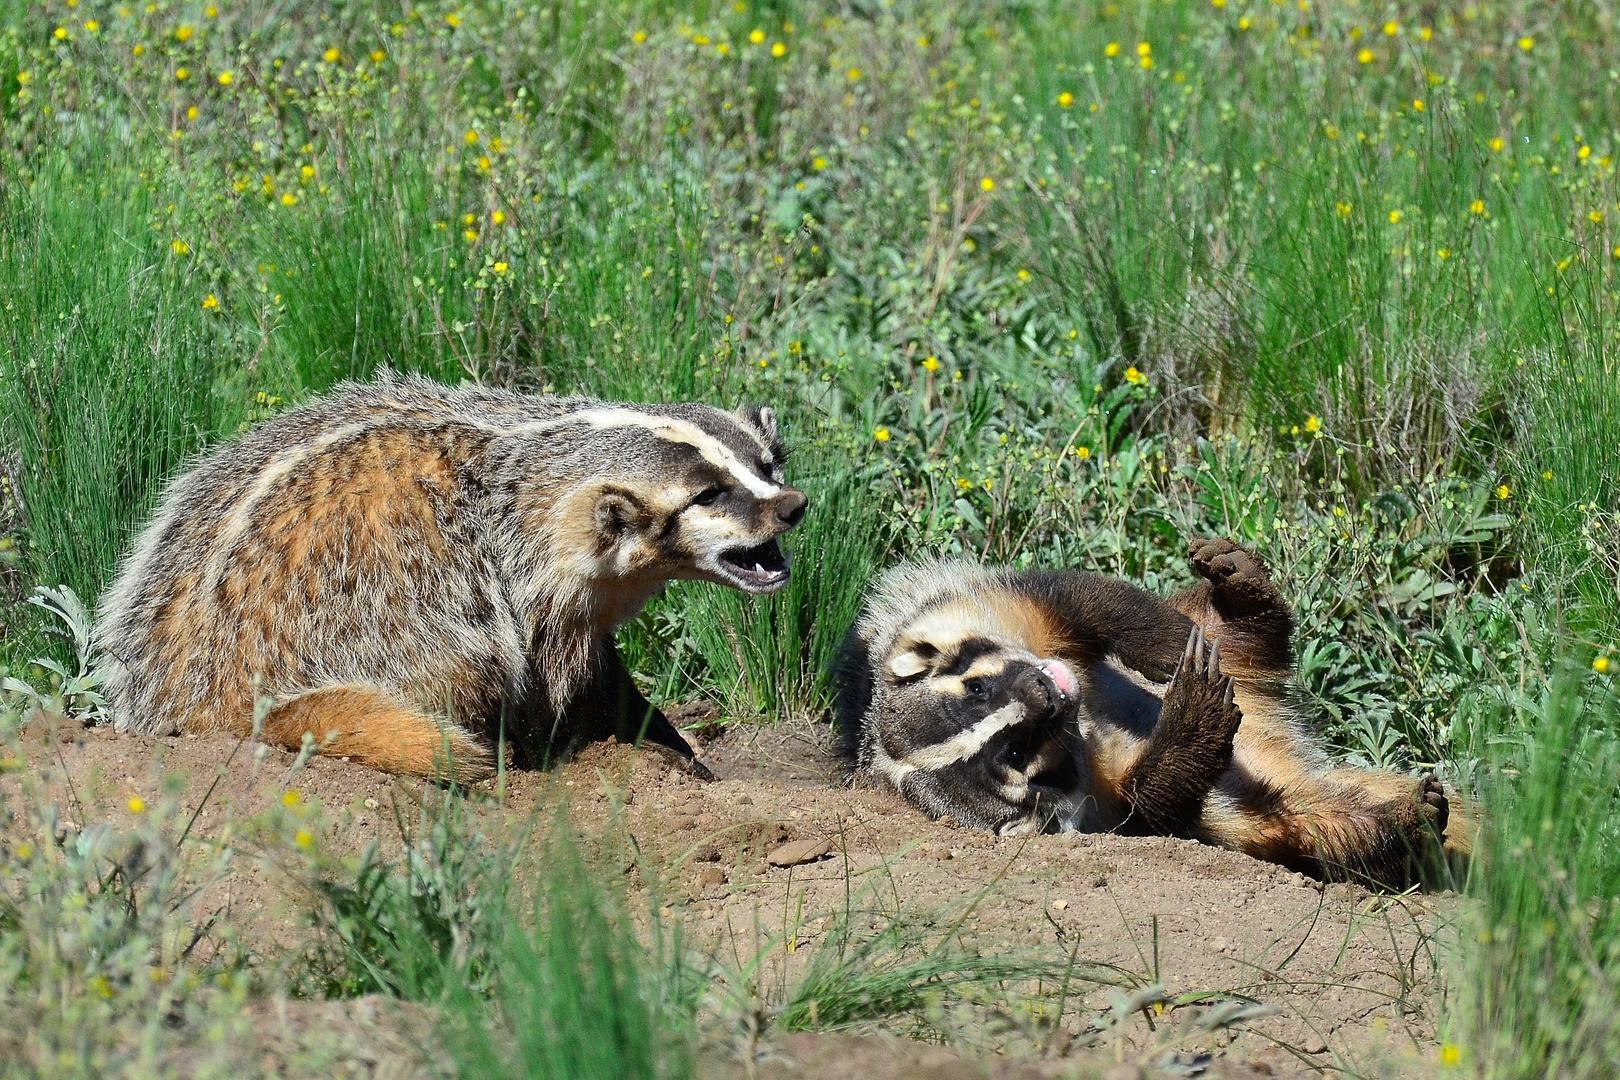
{"x":974,"y":687}
{"x":708,"y":496}
{"x":1015,"y":757}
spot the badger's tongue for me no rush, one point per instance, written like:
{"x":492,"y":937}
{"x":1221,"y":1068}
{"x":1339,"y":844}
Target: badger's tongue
{"x":1062,"y":677}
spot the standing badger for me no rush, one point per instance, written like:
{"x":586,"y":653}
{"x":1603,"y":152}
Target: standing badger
{"x":406,"y":572}
{"x":1062,"y":700}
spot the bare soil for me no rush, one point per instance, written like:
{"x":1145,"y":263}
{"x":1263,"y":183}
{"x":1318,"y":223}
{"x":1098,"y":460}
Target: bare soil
{"x":1350,"y":975}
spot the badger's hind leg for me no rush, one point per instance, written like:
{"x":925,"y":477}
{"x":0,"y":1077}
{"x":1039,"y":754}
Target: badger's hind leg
{"x":1346,"y":824}
{"x":1241,"y":607}
{"x":374,"y":727}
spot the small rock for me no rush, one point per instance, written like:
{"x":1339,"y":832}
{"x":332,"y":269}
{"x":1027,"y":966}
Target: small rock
{"x":1059,"y":905}
{"x":371,"y":804}
{"x":1099,"y":882}
{"x":710,"y":876}
{"x":796,"y":852}
{"x":745,"y":799}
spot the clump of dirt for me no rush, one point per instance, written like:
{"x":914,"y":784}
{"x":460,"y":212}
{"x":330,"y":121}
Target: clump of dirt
{"x":769,"y":856}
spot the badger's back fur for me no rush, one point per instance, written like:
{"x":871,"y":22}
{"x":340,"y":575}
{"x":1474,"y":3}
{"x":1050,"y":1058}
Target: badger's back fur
{"x":925,"y":627}
{"x":401,"y":568}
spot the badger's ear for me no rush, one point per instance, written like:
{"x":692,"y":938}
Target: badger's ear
{"x":912,"y":660}
{"x":762,"y":417}
{"x":617,"y":512}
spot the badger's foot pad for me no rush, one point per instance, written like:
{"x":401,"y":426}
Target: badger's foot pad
{"x":1238,"y":578}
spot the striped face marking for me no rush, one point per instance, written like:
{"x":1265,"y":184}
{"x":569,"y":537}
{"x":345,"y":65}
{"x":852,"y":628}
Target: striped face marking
{"x":990,"y":735}
{"x":966,"y":744}
{"x":684,"y":432}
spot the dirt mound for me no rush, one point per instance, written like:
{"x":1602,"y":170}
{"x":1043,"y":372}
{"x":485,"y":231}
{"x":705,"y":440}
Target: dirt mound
{"x":779,"y":853}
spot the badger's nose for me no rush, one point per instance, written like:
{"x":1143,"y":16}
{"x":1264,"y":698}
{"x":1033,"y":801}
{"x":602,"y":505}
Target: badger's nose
{"x":790,"y":507}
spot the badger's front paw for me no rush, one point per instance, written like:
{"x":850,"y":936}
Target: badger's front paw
{"x":1200,"y":708}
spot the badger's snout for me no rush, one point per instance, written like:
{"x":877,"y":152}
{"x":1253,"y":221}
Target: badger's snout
{"x":789,"y":508}
{"x":1045,"y":694}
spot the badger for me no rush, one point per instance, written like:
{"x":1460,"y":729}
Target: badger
{"x":411,"y":575}
{"x":1059,"y":700}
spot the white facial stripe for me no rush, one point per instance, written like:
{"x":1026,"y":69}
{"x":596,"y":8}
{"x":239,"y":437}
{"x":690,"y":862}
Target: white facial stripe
{"x":711,"y":449}
{"x":886,"y":766}
{"x":965,"y":744}
{"x":983,"y":667}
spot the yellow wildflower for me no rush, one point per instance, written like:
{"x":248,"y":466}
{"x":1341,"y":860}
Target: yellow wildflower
{"x":1083,"y":453}
{"x":881,"y":434}
{"x":470,"y":138}
{"x":853,"y":74}
{"x":1395,"y":217}
{"x":180,"y":247}
{"x":1417,"y":104}
{"x":500,"y":267}
{"x":182,"y":74}
{"x":1065,"y":100}
{"x":498,"y":217}
{"x":92,"y":26}
{"x":182,"y":33}
{"x":226,"y":78}
{"x":1365,"y":56}
{"x":1595,"y":217}
{"x":60,"y":33}
{"x":1496,"y":144}
{"x":1342,"y":208}
{"x":1135,"y":377}
{"x":137,"y":805}
{"x":1601,"y":665}
{"x":1504,"y":492}
{"x":1313,"y":423}
{"x":1392,"y":28}
{"x":1450,"y":1055}
{"x":289,"y":199}
{"x":986,"y":184}
{"x":756,"y":37}
{"x":1477,"y":206}
{"x":1111,"y":50}
{"x":1527,"y":43}
{"x":304,"y":838}
{"x":930,"y":364}
{"x":210,"y":302}
{"x":453,"y":19}
{"x":291,"y":797}
{"x":332,"y":55}
{"x":778,"y":49}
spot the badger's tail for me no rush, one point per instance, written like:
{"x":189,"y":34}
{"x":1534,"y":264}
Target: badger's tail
{"x":374,"y":727}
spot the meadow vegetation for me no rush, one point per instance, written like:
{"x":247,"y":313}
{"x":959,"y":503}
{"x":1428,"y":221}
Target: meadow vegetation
{"x":1037,"y":283}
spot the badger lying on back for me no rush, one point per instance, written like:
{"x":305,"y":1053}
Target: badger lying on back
{"x":1063,"y":700}
{"x":407,"y":572}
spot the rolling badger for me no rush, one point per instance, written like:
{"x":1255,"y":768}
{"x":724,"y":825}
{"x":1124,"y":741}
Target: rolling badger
{"x":1063,"y":700}
{"x":406,"y":572}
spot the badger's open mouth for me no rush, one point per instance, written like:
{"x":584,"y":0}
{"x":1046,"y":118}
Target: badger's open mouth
{"x":760,"y":568}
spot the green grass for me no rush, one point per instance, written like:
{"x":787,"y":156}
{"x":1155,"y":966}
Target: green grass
{"x":1374,"y":339}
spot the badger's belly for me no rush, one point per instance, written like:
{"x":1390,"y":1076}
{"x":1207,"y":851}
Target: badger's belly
{"x":1115,"y":699}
